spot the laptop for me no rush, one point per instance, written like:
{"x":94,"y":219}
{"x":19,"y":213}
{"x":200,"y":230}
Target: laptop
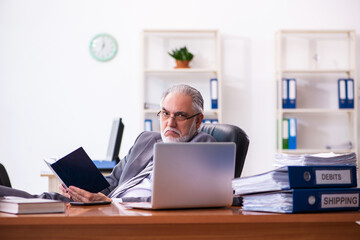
{"x":112,"y":156}
{"x":191,"y":175}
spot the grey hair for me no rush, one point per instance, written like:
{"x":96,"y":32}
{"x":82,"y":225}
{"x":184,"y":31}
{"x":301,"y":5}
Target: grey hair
{"x":197,"y":99}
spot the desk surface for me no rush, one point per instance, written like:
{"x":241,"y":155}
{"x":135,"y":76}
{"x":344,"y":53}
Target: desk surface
{"x":105,"y":222}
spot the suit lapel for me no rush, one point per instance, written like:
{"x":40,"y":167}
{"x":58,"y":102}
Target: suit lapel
{"x":140,"y":159}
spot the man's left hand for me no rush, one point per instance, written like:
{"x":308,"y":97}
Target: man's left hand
{"x":80,"y":195}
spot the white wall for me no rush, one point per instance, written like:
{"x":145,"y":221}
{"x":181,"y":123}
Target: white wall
{"x":54,"y":97}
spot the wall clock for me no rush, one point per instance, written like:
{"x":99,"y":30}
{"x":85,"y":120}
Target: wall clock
{"x":103,"y":47}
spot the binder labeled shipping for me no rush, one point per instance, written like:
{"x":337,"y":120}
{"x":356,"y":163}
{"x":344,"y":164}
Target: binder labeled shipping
{"x":214,"y":93}
{"x":304,"y":200}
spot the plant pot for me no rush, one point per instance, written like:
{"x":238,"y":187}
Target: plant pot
{"x":182,"y":64}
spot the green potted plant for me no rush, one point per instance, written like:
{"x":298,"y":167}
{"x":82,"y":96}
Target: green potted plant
{"x":182,"y":57}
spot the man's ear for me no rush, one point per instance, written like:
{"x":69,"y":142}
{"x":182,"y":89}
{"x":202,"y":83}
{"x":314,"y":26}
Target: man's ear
{"x":199,"y":119}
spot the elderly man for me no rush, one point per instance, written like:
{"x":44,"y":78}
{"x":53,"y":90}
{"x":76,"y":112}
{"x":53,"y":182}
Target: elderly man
{"x":180,"y":119}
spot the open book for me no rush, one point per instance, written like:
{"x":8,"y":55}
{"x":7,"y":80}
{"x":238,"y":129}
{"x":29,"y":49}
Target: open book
{"x":77,"y":169}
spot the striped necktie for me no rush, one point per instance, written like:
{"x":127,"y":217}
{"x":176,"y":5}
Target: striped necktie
{"x":132,"y":181}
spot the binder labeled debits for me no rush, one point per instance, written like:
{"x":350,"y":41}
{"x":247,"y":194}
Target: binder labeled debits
{"x":346,"y":93}
{"x":294,"y":177}
{"x":289,"y":92}
{"x":77,"y":169}
{"x":214,"y":93}
{"x":304,"y":200}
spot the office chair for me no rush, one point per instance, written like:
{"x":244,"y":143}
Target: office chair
{"x":230,"y":133}
{"x":4,"y":177}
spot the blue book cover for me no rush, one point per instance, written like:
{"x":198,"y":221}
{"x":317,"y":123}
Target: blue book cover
{"x":214,"y":93}
{"x":77,"y":169}
{"x":292,"y":133}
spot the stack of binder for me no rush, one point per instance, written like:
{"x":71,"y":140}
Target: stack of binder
{"x":292,"y":189}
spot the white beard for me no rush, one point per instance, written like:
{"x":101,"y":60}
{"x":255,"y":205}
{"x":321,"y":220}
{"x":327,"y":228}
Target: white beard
{"x":181,"y":138}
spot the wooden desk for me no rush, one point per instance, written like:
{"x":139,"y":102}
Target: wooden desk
{"x":116,"y":222}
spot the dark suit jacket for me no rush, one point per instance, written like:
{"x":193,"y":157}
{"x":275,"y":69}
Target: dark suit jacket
{"x":139,"y":156}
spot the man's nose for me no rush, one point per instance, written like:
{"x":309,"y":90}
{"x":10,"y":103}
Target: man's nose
{"x":171,"y":121}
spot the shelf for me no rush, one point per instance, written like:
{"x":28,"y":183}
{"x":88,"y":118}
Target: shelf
{"x":159,"y":74}
{"x":316,"y":110}
{"x":317,"y":59}
{"x":175,"y":71}
{"x":312,"y":151}
{"x":302,"y":71}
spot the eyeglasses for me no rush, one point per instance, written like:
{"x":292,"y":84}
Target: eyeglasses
{"x":179,"y":116}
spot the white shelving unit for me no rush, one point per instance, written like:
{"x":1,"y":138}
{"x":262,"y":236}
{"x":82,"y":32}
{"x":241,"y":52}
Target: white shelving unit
{"x":159,"y":73}
{"x":317,"y":59}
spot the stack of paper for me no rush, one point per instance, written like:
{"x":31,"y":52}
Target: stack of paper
{"x":315,"y":159}
{"x":273,"y":180}
{"x":330,"y":159}
{"x":269,"y":202}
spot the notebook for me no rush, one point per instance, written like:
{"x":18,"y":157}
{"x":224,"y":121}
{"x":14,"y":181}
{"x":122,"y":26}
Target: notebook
{"x":191,"y":175}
